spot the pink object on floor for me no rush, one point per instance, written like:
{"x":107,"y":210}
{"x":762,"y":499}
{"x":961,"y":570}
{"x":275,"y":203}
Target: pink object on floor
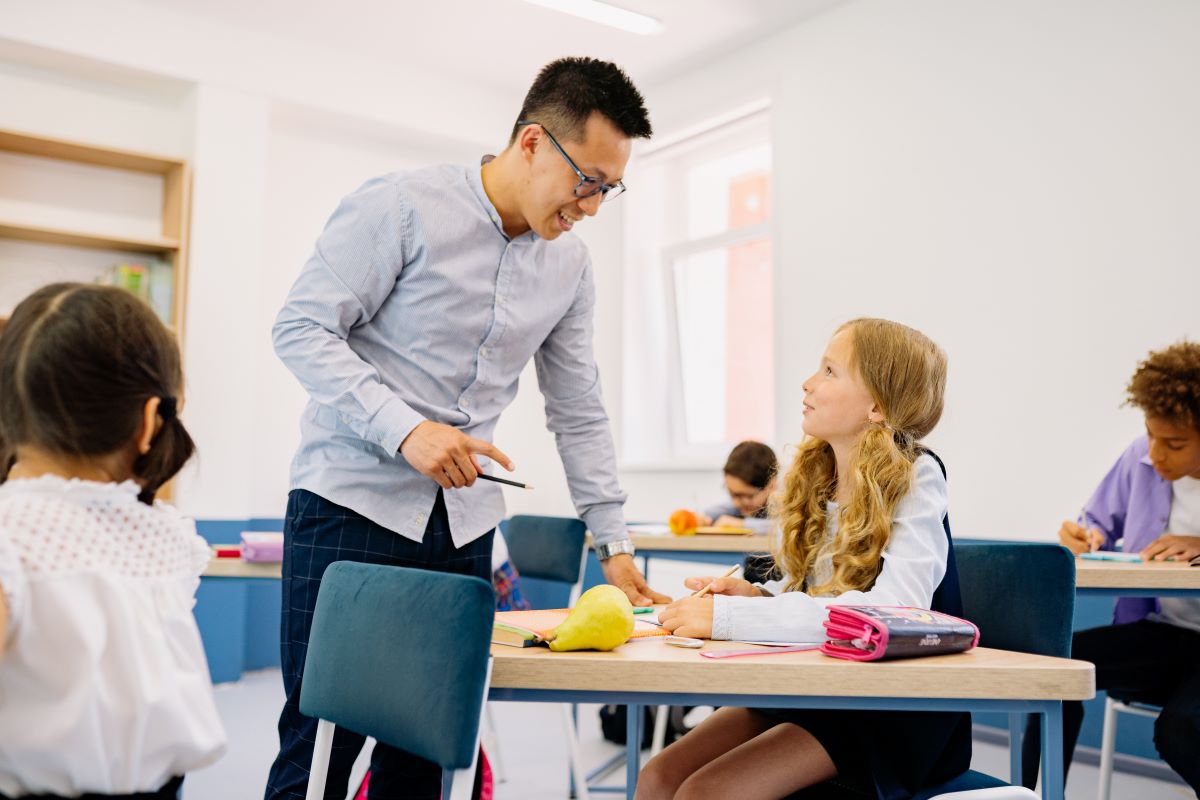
{"x":484,"y":794}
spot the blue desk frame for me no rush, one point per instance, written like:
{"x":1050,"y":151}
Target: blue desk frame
{"x":1051,"y":711}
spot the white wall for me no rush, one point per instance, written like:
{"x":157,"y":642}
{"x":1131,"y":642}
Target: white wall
{"x":1018,"y":180}
{"x":1014,"y":178}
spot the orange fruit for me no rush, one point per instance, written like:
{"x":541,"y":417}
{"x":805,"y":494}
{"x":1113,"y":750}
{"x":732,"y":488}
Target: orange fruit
{"x":683,"y":522}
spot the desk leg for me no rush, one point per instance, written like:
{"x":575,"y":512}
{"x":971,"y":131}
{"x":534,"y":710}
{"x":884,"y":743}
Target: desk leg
{"x":1052,"y":751}
{"x":633,"y":747}
{"x":1016,"y":732}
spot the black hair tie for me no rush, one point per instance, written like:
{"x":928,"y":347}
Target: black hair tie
{"x":166,"y":408}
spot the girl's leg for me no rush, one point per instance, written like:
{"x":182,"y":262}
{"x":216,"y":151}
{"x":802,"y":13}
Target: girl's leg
{"x":723,"y":730}
{"x":774,"y":764}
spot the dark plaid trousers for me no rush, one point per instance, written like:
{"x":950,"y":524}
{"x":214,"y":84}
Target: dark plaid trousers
{"x":316,"y":534}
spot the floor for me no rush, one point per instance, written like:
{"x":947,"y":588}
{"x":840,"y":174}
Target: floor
{"x":532,"y":751}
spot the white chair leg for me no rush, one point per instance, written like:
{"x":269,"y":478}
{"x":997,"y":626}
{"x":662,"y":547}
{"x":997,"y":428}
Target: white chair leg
{"x":1108,"y":744}
{"x":660,"y":730}
{"x":320,"y":760}
{"x":462,"y":781}
{"x":575,"y":759}
{"x":491,"y":744}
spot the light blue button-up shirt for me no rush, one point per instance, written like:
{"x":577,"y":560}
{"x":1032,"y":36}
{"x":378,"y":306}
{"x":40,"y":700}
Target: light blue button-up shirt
{"x":416,"y":306}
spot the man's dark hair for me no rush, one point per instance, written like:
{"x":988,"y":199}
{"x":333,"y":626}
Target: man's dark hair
{"x":77,"y":364}
{"x":752,"y":462}
{"x":567,"y":91}
{"x":1167,"y":384}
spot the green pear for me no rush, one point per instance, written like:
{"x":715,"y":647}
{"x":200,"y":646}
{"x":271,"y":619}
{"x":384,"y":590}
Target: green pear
{"x":601,"y":620}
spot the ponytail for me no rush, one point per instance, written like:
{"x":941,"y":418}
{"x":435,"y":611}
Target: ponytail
{"x":170,"y":449}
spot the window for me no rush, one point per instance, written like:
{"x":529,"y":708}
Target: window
{"x":699,"y":247}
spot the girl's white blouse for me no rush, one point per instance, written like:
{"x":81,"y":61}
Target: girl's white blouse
{"x":914,"y":563}
{"x":104,"y":686}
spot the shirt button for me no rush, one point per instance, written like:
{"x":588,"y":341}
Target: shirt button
{"x":500,"y":301}
{"x":483,"y":351}
{"x":465,"y":403}
{"x":419,"y":517}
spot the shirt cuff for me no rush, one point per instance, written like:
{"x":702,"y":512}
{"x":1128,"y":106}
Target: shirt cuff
{"x":722,"y":624}
{"x":392,"y":425}
{"x":607,"y":524}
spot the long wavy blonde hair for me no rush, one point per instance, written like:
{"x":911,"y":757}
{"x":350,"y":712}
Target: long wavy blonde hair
{"x":905,"y":373}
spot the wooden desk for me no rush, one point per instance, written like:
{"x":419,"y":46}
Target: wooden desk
{"x":1153,"y":579}
{"x":652,"y":673}
{"x":237,"y":568}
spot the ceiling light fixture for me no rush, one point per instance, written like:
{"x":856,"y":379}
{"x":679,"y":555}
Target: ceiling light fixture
{"x":605,"y":14}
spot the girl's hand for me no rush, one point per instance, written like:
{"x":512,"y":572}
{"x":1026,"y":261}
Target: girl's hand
{"x":691,"y":616}
{"x":1077,"y":539}
{"x":729,"y":586}
{"x":1169,"y":545}
{"x":703,"y":521}
{"x":726,"y":521}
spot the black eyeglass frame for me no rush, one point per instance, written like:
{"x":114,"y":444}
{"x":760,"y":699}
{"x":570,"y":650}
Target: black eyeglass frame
{"x":588,"y":185}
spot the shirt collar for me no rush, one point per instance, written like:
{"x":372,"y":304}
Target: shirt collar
{"x":475,"y":181}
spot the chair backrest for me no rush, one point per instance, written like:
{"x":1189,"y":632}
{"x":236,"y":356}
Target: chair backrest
{"x":1022,"y":596}
{"x":547,"y":548}
{"x":402,"y":655}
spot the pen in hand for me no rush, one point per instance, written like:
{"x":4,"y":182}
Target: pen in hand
{"x":1092,"y":544}
{"x":505,"y":481}
{"x":709,"y":587}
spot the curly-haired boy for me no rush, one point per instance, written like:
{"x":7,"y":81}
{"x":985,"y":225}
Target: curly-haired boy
{"x":1148,"y":503}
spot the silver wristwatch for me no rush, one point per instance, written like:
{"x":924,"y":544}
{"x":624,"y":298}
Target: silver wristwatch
{"x":609,"y":549}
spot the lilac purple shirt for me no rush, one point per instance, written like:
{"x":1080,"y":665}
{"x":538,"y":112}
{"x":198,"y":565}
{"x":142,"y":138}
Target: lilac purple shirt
{"x":1132,"y":503}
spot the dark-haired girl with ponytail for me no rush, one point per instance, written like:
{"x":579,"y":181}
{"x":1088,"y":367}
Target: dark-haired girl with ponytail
{"x":104,"y":686}
{"x":861,"y":517}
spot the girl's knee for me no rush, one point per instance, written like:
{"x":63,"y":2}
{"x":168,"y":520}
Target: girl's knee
{"x":656,"y":780}
{"x":693,"y":789}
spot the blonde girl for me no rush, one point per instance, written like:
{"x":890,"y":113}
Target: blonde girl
{"x":862,"y":512}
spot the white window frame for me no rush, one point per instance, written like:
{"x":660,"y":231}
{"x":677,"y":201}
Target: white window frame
{"x":672,"y":451}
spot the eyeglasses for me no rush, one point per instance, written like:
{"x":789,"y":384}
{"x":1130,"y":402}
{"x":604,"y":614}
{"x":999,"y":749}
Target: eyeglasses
{"x":588,"y":186}
{"x":746,"y":496}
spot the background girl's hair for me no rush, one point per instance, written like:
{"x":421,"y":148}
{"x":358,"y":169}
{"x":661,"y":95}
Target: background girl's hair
{"x":77,"y":364}
{"x":905,"y":372}
{"x":753,"y":463}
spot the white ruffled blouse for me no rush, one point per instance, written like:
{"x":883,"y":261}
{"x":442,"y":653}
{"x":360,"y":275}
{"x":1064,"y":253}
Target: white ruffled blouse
{"x":104,"y":686}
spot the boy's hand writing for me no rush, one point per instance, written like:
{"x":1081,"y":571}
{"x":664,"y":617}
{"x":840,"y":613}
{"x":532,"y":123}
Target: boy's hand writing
{"x":1169,"y":545}
{"x":1078,"y":540}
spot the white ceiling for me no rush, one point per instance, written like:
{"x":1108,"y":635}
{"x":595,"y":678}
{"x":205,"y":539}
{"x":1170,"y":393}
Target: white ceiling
{"x":502,"y":43}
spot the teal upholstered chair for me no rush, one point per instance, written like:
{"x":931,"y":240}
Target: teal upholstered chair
{"x":432,"y":631}
{"x":1022,"y":597}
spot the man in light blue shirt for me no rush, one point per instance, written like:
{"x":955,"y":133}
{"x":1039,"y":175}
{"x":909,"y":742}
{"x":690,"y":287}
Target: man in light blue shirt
{"x":427,"y":294}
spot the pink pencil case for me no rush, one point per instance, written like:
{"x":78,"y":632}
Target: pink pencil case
{"x":872,"y":633}
{"x":257,"y":546}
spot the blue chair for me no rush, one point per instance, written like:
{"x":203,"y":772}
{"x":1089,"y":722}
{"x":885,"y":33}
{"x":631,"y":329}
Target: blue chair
{"x":432,"y":631}
{"x":1022,"y":597}
{"x":554,"y":550}
{"x":549,"y":549}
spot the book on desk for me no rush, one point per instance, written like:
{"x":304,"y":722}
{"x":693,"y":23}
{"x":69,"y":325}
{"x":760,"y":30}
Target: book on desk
{"x":530,"y":628}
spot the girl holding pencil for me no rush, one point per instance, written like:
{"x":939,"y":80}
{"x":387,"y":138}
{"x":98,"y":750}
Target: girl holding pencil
{"x":861,"y":513}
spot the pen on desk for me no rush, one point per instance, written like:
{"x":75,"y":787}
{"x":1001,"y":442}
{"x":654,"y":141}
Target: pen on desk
{"x":505,"y":481}
{"x":708,"y":588}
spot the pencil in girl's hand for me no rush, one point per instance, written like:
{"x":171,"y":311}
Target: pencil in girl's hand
{"x":505,"y":481}
{"x":709,"y":587}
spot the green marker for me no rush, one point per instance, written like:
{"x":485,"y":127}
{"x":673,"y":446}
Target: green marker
{"x":643,"y":610}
